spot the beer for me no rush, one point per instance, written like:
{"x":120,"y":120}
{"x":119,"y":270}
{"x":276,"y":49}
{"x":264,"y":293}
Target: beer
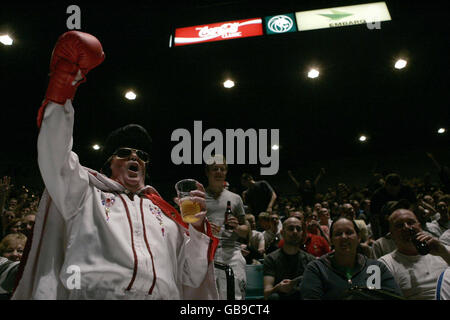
{"x":189,"y":209}
{"x":421,"y":246}
{"x":227,"y":214}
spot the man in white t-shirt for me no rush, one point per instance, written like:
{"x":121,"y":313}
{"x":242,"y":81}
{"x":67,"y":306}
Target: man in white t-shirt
{"x":229,"y":250}
{"x":416,"y":275}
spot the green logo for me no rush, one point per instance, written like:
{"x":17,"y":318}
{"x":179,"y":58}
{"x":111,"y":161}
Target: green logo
{"x":336,"y":15}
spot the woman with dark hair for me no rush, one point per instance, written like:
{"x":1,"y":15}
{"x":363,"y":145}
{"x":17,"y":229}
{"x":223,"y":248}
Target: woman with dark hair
{"x":332,"y":275}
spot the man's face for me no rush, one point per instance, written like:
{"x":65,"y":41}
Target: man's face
{"x":9,"y":216}
{"x":292,"y":231}
{"x":324,"y":216}
{"x":28,"y":223}
{"x":429,"y":200}
{"x":348,"y":211}
{"x":216,"y":173}
{"x":442,"y":208}
{"x":317,"y":207}
{"x":12,"y":204}
{"x":129,"y":171}
{"x":401,"y":221}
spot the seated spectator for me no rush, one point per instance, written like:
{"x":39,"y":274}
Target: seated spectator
{"x":313,"y":226}
{"x":314,"y":244}
{"x":269,"y":222}
{"x":416,"y":275}
{"x":443,"y":220}
{"x":386,"y":244}
{"x":422,"y":213}
{"x":284,"y":267}
{"x":348,"y":212}
{"x":12,"y":245}
{"x":324,"y":219}
{"x":332,"y":275}
{"x":254,"y":250}
{"x":393,"y":190}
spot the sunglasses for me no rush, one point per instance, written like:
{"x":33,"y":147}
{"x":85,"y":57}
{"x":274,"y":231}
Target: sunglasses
{"x":126,"y":152}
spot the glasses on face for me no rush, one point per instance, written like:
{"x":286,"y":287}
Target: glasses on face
{"x":126,"y":152}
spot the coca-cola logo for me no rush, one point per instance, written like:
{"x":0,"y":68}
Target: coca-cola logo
{"x":226,"y":30}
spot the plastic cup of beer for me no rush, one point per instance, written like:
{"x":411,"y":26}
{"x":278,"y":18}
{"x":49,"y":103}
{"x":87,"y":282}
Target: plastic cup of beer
{"x":188,"y":207}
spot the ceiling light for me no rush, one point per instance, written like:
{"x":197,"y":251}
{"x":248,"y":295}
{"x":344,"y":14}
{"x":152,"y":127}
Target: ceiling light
{"x":313,"y":73}
{"x":228,"y":84}
{"x":400,"y":64}
{"x":6,"y":40}
{"x":130,"y":95}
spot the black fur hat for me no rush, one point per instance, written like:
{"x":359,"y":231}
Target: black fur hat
{"x":130,"y":136}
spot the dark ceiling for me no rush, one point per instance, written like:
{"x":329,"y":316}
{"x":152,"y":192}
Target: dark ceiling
{"x":357,"y":92}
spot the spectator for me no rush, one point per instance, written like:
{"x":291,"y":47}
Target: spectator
{"x":348,"y":212}
{"x":256,"y":242}
{"x":308,"y":190}
{"x":386,"y":244}
{"x":393,"y":190}
{"x":313,"y":226}
{"x":423,"y":214}
{"x":330,"y":276}
{"x":324,"y":219}
{"x":229,"y":249}
{"x":14,"y":226}
{"x":417,"y":275}
{"x":443,"y":221}
{"x":28,"y":223}
{"x":314,"y":244}
{"x":12,"y":245}
{"x":259,"y":195}
{"x":284,"y":267}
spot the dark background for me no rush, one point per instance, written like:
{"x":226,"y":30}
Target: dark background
{"x":358,"y":90}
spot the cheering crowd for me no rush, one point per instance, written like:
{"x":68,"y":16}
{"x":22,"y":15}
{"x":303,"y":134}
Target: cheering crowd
{"x":303,"y":226}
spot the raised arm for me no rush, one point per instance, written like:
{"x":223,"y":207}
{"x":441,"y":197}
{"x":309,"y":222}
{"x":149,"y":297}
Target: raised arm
{"x":74,"y":55}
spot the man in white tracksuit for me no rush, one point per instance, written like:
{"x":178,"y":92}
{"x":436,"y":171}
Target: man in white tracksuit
{"x":106,"y":236}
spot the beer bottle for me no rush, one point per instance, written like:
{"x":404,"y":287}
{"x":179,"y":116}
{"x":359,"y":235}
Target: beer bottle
{"x":227,"y":214}
{"x":421,"y":246}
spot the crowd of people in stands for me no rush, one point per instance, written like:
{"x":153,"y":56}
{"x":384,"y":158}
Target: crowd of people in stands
{"x":312,"y":245}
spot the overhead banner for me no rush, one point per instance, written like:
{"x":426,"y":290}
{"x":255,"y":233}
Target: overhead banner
{"x":218,"y":31}
{"x":342,"y":16}
{"x":281,"y":23}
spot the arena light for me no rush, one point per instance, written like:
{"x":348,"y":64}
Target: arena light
{"x":275,"y":147}
{"x":6,"y":40}
{"x":130,"y":95}
{"x":313,"y":73}
{"x":96,"y":147}
{"x":441,"y":130}
{"x":362,"y":138}
{"x":400,"y":64}
{"x":228,"y":84}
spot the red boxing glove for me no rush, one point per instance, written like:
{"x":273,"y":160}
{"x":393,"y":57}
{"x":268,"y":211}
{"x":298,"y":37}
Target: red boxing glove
{"x":73,"y":51}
